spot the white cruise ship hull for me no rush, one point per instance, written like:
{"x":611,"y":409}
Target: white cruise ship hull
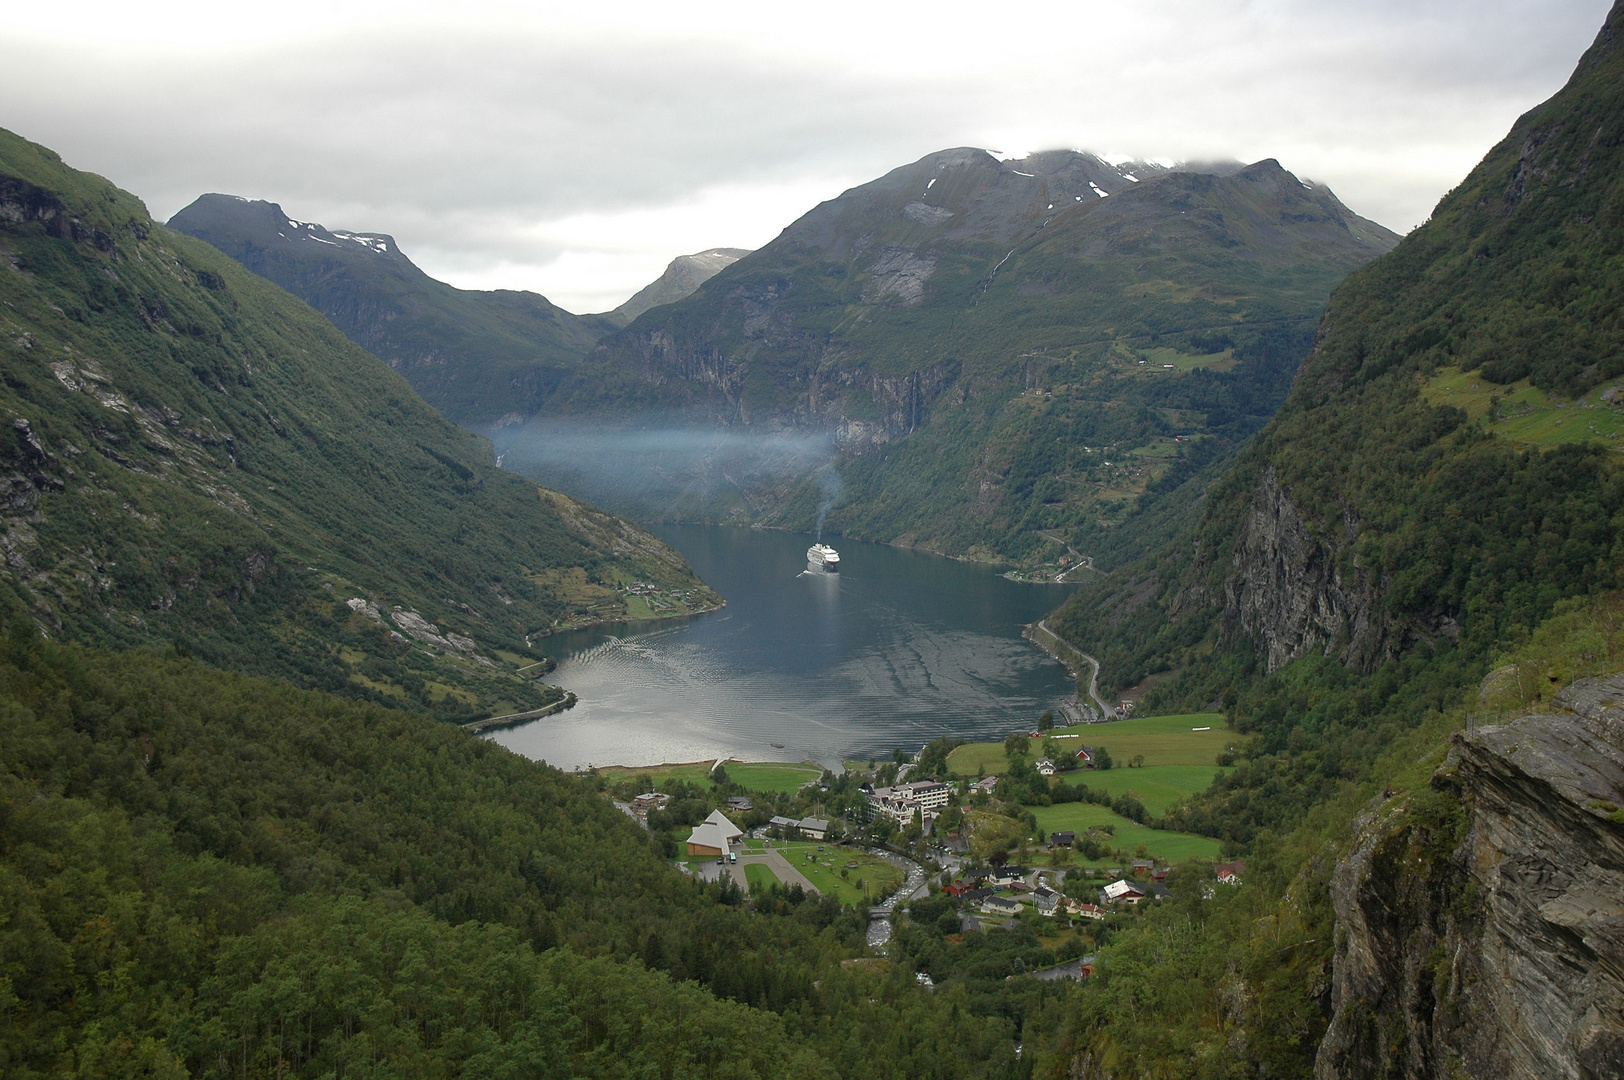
{"x":822,"y":559}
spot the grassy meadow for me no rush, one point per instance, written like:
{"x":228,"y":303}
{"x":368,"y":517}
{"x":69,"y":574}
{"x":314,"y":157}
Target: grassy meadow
{"x":760,"y":877}
{"x":1163,"y":740}
{"x":1157,"y":786}
{"x":823,"y":868}
{"x":1170,"y":847}
{"x":1524,"y":413}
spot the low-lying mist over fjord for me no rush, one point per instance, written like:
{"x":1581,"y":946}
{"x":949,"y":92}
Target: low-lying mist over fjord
{"x":670,"y":468}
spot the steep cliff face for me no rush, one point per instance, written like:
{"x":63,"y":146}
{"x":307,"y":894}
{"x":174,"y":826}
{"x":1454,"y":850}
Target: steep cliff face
{"x":1288,"y":590}
{"x":1480,"y":925}
{"x":1298,"y":589}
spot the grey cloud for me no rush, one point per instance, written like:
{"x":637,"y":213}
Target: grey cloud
{"x":457,"y":142}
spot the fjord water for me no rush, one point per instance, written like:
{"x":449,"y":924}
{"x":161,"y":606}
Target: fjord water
{"x":895,"y":650}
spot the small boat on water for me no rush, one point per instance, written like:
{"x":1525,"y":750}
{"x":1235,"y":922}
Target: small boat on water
{"x":777,"y":746}
{"x":822,"y":559}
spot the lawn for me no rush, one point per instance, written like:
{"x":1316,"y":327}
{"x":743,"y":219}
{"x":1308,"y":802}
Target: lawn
{"x":772,"y":775}
{"x":760,"y":877}
{"x":1163,"y":740}
{"x":1218,"y":361}
{"x":763,"y":776}
{"x":823,"y":871}
{"x":1171,"y":847}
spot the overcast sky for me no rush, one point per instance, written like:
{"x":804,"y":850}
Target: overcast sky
{"x":574,"y":149}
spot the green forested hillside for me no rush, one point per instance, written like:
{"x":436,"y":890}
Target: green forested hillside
{"x":1377,"y":542}
{"x":1008,"y":356}
{"x":475,"y":356}
{"x":191,"y":456}
{"x":213,"y":875}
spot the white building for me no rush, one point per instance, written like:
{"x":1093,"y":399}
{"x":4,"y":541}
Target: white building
{"x":929,"y":794}
{"x":886,"y":801}
{"x":814,"y":828}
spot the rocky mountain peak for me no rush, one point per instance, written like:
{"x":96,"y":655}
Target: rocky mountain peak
{"x":682,"y":276}
{"x":216,"y":216}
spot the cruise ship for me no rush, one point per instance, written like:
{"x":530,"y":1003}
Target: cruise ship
{"x":822,"y":559}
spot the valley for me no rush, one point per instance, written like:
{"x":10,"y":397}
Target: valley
{"x":347,"y":729}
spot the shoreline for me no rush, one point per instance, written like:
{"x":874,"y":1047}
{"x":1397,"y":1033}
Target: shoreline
{"x":491,"y":723}
{"x":700,"y":764}
{"x":572,"y":627}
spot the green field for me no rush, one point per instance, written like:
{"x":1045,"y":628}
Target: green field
{"x":1524,"y":413}
{"x":1218,"y":361}
{"x":772,"y":775}
{"x":1164,"y":740}
{"x":751,"y":775}
{"x":760,"y":877}
{"x":1157,"y":786}
{"x":1171,"y":847}
{"x":823,"y":871}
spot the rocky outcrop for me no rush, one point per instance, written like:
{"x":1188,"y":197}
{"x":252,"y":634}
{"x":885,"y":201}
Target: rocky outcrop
{"x":1295,"y":588}
{"x":1480,"y":924}
{"x":1288,"y":589}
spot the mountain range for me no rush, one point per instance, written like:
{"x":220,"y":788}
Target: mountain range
{"x":477,"y":356}
{"x":1000,"y":351}
{"x":1004,"y":359}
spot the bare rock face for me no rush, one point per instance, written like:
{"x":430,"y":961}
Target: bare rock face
{"x":1481,"y":924}
{"x":1288,"y":590}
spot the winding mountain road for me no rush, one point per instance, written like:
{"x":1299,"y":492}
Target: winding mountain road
{"x":1093,"y":679}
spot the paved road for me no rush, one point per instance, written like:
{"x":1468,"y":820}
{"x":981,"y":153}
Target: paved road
{"x":1106,"y":711}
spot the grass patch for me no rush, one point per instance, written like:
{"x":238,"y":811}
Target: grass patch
{"x":1218,"y":361}
{"x":1524,"y":413}
{"x":1172,"y":847}
{"x":760,"y":876}
{"x":1163,"y":740}
{"x":880,"y":878}
{"x":1157,"y":786}
{"x":772,"y":775}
